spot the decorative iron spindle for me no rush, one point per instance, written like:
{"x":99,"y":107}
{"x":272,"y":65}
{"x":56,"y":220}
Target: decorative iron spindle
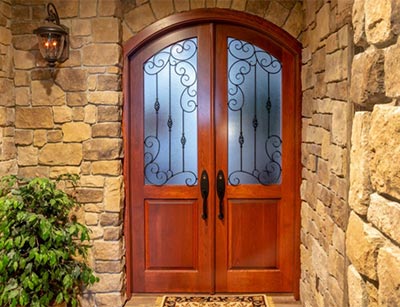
{"x":178,"y":64}
{"x":249,"y":73}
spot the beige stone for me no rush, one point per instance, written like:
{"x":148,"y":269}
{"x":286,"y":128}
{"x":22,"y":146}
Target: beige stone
{"x":113,"y":194}
{"x":108,"y":266}
{"x":378,"y":21}
{"x":109,"y":83}
{"x":22,"y":96}
{"x":21,"y":78}
{"x":106,"y":97}
{"x":108,"y":283}
{"x":367,"y":78}
{"x":105,"y":30}
{"x":162,"y":8}
{"x":363,"y":243}
{"x":91,"y":218}
{"x":86,"y":195}
{"x":75,"y":99}
{"x":107,"y":130}
{"x":294,"y":23}
{"x":76,"y":132}
{"x":61,"y":154}
{"x":24,"y":59}
{"x":87,"y":8}
{"x":112,"y":233}
{"x":54,"y":136}
{"x":139,"y":17}
{"x":72,"y":80}
{"x":62,"y":170}
{"x":91,"y":181}
{"x":96,"y":232}
{"x":358,"y":296}
{"x":392,"y":68}
{"x":27,"y":155}
{"x":109,"y":7}
{"x":62,"y":114}
{"x":101,"y":54}
{"x":39,"y":138}
{"x":81,"y":27}
{"x":106,"y":167}
{"x":360,"y":183}
{"x":110,"y":299}
{"x":102,"y":149}
{"x":337,"y":65}
{"x":46,"y":93}
{"x":38,"y":117}
{"x":31,"y":171}
{"x":359,"y":36}
{"x":389,"y":276}
{"x":276,"y":13}
{"x":23,"y":137}
{"x":384,"y":140}
{"x":385,"y":215}
{"x":90,"y":114}
{"x":110,"y":219}
{"x":107,"y":250}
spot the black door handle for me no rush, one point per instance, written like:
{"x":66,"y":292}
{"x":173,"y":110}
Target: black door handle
{"x":204,"y":188}
{"x":221,"y":193}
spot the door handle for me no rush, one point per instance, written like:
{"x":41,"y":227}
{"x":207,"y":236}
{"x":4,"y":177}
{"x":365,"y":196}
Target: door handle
{"x":204,"y":188}
{"x":221,"y":193}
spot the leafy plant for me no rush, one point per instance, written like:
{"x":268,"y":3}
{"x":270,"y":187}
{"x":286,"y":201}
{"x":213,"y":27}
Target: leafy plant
{"x":42,"y":246}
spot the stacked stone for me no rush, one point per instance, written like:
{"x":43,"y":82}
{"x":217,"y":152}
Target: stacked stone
{"x":373,"y":234}
{"x":326,"y":112}
{"x":285,"y":14}
{"x":8,"y":155}
{"x":69,"y":120}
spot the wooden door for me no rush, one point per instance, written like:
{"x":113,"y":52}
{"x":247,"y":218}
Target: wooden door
{"x":211,"y":162}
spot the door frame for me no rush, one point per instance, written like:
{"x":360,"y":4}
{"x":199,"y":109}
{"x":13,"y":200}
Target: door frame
{"x":198,"y":16}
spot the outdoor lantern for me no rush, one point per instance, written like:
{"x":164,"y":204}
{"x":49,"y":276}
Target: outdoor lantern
{"x":53,"y":38}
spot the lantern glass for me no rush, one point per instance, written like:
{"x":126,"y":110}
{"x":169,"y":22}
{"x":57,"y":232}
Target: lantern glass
{"x":51,"y":46}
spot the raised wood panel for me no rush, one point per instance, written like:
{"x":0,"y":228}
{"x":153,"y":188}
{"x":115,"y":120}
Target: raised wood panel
{"x":171,"y":234}
{"x":252,"y":234}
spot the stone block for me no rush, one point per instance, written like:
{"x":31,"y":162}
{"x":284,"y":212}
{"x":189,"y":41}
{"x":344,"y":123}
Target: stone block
{"x":389,"y":276}
{"x":337,"y":65}
{"x":76,"y":132}
{"x":107,"y":250}
{"x":357,"y":292}
{"x":384,"y":140}
{"x":109,"y":83}
{"x":112,"y":233}
{"x":96,"y":232}
{"x":162,"y":8}
{"x":338,"y":239}
{"x":54,"y":136}
{"x":392,"y":68}
{"x":106,"y":167}
{"x":322,"y":21}
{"x":87,"y":8}
{"x":107,"y":130}
{"x":360,"y":183}
{"x":38,"y":117}
{"x":90,"y":114}
{"x":105,"y":30}
{"x":39,"y":138}
{"x":385,"y":215}
{"x":108,"y":97}
{"x":72,"y":80}
{"x":294,"y":24}
{"x":363,"y":243}
{"x":91,"y":181}
{"x":320,"y":263}
{"x":276,"y":13}
{"x":22,"y":96}
{"x":378,"y":21}
{"x":27,"y":155}
{"x":61,"y":154}
{"x":110,"y":299}
{"x":46,"y":93}
{"x":86,"y":195}
{"x":110,"y":219}
{"x":359,"y":36}
{"x":108,"y":266}
{"x":31,"y":171}
{"x":24,"y":59}
{"x":91,"y":219}
{"x":61,"y":170}
{"x":109,"y":7}
{"x":140,"y":17}
{"x":23,"y":137}
{"x":101,"y":55}
{"x":102,"y":149}
{"x":367,"y":78}
{"x":113,"y":194}
{"x":81,"y":27}
{"x":62,"y":114}
{"x":76,"y":99}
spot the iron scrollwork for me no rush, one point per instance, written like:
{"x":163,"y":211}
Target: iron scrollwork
{"x":248,"y":62}
{"x":175,"y":61}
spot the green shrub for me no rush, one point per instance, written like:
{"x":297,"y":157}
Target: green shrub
{"x":42,"y":246}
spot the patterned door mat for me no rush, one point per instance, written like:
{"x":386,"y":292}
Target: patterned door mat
{"x":217,"y":301}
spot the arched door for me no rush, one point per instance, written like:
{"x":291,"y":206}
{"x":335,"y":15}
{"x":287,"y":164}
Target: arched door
{"x":211,"y":128}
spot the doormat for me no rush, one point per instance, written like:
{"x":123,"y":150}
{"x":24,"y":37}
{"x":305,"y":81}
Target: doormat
{"x":217,"y":301}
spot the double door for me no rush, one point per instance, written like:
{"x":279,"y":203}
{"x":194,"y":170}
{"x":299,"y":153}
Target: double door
{"x":212,"y":163}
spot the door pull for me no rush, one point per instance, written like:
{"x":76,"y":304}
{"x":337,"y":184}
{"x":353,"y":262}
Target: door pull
{"x":204,"y":187}
{"x":221,"y":193}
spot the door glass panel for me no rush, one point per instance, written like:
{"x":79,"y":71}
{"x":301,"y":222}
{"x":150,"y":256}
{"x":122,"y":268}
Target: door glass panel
{"x":254,"y":115}
{"x":170,"y":115}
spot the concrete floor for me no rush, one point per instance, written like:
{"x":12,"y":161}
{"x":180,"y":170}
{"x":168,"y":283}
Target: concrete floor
{"x":142,"y":300}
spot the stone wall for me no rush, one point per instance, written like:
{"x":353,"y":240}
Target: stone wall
{"x":327,"y":113}
{"x":373,"y":233}
{"x":8,"y":162}
{"x":69,"y":120}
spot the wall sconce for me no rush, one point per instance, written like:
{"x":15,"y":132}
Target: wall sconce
{"x":53,"y":38}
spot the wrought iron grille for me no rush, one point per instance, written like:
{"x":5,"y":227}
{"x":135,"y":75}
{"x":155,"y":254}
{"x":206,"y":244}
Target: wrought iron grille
{"x":254,"y":115}
{"x":170,"y":86}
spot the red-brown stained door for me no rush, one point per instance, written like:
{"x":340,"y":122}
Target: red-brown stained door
{"x":236,"y":128}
